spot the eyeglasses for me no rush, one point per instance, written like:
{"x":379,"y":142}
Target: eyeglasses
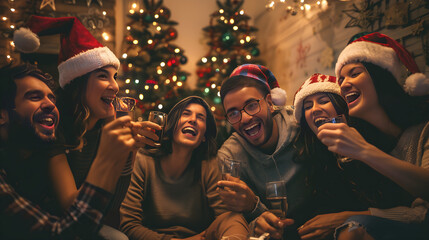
{"x":251,"y":108}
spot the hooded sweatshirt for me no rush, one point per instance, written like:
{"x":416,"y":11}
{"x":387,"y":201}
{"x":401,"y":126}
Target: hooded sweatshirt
{"x":258,"y":168}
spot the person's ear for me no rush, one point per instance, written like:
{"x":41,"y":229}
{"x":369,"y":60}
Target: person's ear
{"x":270,"y":102}
{"x":4,"y":117}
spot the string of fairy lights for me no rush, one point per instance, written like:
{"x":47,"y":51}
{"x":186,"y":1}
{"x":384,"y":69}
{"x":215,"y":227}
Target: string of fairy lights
{"x":293,"y":7}
{"x":8,"y":19}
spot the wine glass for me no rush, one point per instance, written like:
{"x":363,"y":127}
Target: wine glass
{"x":124,"y":105}
{"x":230,"y":167}
{"x":337,"y":119}
{"x":159,"y":118}
{"x":276,"y":195}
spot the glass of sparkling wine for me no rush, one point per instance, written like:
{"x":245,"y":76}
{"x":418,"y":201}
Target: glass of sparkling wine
{"x":337,"y":119}
{"x":159,"y":118}
{"x":276,"y":195}
{"x":124,"y":106}
{"x":230,"y":167}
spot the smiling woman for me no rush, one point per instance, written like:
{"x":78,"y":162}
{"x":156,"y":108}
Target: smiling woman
{"x":173,"y":189}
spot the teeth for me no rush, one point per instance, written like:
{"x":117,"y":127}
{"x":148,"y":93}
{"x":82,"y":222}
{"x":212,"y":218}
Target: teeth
{"x":47,"y":121}
{"x":251,"y":126}
{"x":350,"y":97}
{"x":108,"y":100}
{"x":189,"y":130}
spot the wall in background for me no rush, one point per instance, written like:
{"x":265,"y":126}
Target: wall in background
{"x":295,"y":47}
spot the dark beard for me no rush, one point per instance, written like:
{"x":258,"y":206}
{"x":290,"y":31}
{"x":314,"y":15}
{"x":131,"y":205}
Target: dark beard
{"x":21,"y":134}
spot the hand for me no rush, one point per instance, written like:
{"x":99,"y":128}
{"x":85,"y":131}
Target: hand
{"x":344,"y":140}
{"x":267,"y":222}
{"x":200,"y":236}
{"x":116,"y":141}
{"x":324,"y":225}
{"x":236,"y":195}
{"x":144,"y":133}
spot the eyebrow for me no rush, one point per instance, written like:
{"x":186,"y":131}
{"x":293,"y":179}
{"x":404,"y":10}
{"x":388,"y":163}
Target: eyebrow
{"x":245,"y":103}
{"x":31,"y":92}
{"x":101,"y":70}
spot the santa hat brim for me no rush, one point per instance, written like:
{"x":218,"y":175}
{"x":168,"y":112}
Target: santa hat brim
{"x":86,"y":62}
{"x":319,"y":87}
{"x":377,"y":54}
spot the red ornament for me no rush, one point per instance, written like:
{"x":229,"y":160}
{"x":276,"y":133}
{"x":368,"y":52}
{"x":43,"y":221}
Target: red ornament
{"x":129,"y":38}
{"x":172,"y":33}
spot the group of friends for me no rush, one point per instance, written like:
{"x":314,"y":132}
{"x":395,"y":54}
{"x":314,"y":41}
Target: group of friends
{"x":69,"y":169}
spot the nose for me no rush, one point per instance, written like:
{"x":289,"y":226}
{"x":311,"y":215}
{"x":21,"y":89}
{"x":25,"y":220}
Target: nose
{"x":345,"y":85}
{"x":316,"y":109}
{"x":192,"y":118}
{"x":245,"y":117}
{"x":47,"y":105}
{"x":114,"y":85}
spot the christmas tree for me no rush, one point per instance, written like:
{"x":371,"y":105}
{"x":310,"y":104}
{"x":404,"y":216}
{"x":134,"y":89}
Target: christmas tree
{"x":151,"y":63}
{"x":232,"y":43}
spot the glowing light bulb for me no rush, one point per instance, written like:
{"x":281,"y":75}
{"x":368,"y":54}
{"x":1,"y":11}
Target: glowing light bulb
{"x":134,"y":5}
{"x":160,"y":106}
{"x":214,"y":59}
{"x":167,"y":81}
{"x":127,"y":81}
{"x":137,"y":81}
{"x":248,"y":38}
{"x":242,"y":41}
{"x":136,"y":41}
{"x":204,"y":59}
{"x":127,"y":91}
{"x":156,"y":16}
{"x":248,"y":57}
{"x":235,"y":28}
{"x":241,"y":12}
{"x":141,"y":11}
{"x":162,"y":64}
{"x":4,"y":18}
{"x":124,"y":55}
{"x":177,"y":50}
{"x":213,"y":85}
{"x":104,"y":13}
{"x":159,"y":71}
{"x":231,"y":21}
{"x":130,"y":65}
{"x":128,"y":28}
{"x":221,"y":11}
{"x":225,"y":60}
{"x":150,"y":41}
{"x":156,"y":87}
{"x":179,"y":84}
{"x":132,"y":11}
{"x":174,"y":78}
{"x":12,"y":9}
{"x":105,"y":36}
{"x":141,"y":96}
{"x":213,"y":108}
{"x":146,"y":87}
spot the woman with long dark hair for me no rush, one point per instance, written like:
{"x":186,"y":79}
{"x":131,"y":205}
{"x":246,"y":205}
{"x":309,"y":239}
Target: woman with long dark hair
{"x":173,"y":194}
{"x":371,"y":77}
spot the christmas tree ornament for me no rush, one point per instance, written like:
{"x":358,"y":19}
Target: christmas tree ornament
{"x":255,"y":52}
{"x":172,"y":33}
{"x":100,"y":2}
{"x":228,"y":39}
{"x":45,"y":3}
{"x":183,"y":59}
{"x":129,"y":38}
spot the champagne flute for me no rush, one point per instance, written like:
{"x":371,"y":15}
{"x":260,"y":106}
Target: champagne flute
{"x":159,"y":118}
{"x":337,"y":119}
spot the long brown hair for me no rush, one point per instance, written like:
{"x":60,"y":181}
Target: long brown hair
{"x":75,"y":113}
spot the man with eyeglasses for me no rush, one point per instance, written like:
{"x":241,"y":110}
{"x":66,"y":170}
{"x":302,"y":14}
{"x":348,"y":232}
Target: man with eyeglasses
{"x":265,"y":131}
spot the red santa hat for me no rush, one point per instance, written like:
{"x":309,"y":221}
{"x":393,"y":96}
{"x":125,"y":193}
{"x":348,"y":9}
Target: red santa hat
{"x":317,"y":83}
{"x":262,"y":74}
{"x":80,"y":52}
{"x":387,"y":53}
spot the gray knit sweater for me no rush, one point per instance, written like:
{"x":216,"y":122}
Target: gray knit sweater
{"x":413,"y":147}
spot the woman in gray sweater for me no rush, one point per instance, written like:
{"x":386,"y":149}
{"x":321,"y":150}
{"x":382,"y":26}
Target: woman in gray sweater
{"x":173,"y":194}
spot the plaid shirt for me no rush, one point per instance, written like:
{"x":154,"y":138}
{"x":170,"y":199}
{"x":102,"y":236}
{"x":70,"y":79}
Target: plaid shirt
{"x":21,"y":219}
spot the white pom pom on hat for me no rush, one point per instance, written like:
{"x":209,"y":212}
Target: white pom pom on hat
{"x":387,"y":53}
{"x":80,"y":52}
{"x":262,"y":74}
{"x":25,"y":40}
